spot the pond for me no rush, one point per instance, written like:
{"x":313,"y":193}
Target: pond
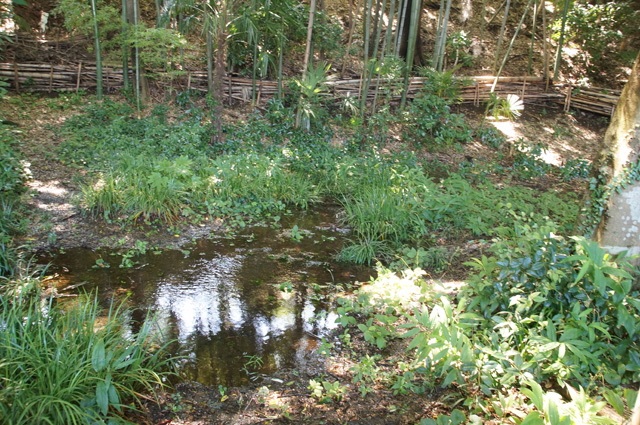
{"x":254,"y":302}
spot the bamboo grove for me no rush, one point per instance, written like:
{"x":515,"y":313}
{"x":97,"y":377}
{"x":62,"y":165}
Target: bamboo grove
{"x":296,"y":43}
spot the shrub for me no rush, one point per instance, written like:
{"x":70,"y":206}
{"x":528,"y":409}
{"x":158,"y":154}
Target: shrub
{"x":11,"y":170}
{"x":541,"y":308}
{"x":566,"y":302}
{"x":432,"y":124}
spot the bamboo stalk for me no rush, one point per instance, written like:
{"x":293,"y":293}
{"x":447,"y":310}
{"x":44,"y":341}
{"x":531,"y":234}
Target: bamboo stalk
{"x":513,"y":39}
{"x":501,"y":35}
{"x":567,"y":102}
{"x":545,"y":51}
{"x":556,"y":66}
{"x":16,"y":79}
{"x":79,"y":75}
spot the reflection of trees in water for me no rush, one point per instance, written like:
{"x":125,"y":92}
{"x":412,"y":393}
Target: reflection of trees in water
{"x":227,"y":308}
{"x":204,"y":299}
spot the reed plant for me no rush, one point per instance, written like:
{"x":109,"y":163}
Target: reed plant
{"x":256,"y":178}
{"x":71,"y":365}
{"x":165,"y":189}
{"x":382,"y":220}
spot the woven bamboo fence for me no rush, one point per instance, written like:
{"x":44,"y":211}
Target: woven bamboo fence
{"x":599,"y":101}
{"x":43,"y":77}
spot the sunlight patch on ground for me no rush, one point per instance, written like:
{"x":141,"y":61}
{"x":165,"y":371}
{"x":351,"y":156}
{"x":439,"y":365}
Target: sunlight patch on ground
{"x":51,"y":195}
{"x":51,"y":188}
{"x":450,"y":287}
{"x":551,"y":157}
{"x":510,"y":129}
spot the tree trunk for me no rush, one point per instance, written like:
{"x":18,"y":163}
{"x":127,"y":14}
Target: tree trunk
{"x":556,"y":67}
{"x":307,"y":51}
{"x":619,"y":171}
{"x":125,"y":48}
{"x":96,"y":36}
{"x":408,"y":19}
{"x":411,"y":47}
{"x":209,"y":49}
{"x":220,"y":65}
{"x":441,"y":39}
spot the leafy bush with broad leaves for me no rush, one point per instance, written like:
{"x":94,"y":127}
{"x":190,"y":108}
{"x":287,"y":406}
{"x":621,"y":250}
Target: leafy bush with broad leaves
{"x":570,"y":304}
{"x":541,"y":308}
{"x":599,"y":28}
{"x":432,"y":124}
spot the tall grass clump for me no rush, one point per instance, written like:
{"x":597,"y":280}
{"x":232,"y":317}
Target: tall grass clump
{"x":390,"y":206}
{"x":69,"y":365}
{"x":170,"y":189}
{"x":382,"y":220}
{"x":261,"y":178}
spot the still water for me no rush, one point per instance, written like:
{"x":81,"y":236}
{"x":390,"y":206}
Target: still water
{"x":264,"y":293}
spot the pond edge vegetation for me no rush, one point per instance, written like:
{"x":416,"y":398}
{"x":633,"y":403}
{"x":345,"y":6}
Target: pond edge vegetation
{"x":498,"y":345}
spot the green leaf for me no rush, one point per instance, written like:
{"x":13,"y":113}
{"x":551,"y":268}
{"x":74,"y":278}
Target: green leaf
{"x":599,"y":280}
{"x":627,"y":320}
{"x":114,"y":398}
{"x":548,"y":347}
{"x":583,"y":271}
{"x":102,"y":396}
{"x":631,"y":396}
{"x":457,"y":417}
{"x":98,"y":357}
{"x":613,"y":271}
{"x":571,"y":334}
{"x":533,"y":418}
{"x":615,"y":400}
{"x":552,"y":412}
{"x":535,"y":394}
{"x":418,"y":342}
{"x":125,"y":358}
{"x":551,"y":331}
{"x":612,"y":378}
{"x":599,"y":326}
{"x":562,"y":351}
{"x":451,"y":377}
{"x":582,"y":355}
{"x":411,"y":332}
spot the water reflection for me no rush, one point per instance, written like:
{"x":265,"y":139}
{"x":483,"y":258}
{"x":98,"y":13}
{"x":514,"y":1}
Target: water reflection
{"x":259,"y":294}
{"x":222,"y":313}
{"x":201,"y":299}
